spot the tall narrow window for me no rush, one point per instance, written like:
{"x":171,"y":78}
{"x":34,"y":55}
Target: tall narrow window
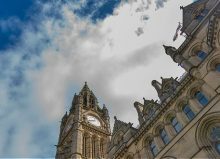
{"x":188,"y":112}
{"x":164,"y":136}
{"x":176,"y":125}
{"x":201,"y":54}
{"x":217,"y":67}
{"x":153,"y":148}
{"x":84,"y":146}
{"x":102,"y":148}
{"x":201,"y":98}
{"x":85,"y":100}
{"x":93,"y":148}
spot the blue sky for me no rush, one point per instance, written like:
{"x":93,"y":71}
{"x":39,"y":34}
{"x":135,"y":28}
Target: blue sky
{"x":49,"y":48}
{"x":13,"y":9}
{"x":21,"y":12}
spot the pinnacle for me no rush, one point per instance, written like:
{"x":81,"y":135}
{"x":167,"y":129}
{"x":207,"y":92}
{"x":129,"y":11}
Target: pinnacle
{"x":85,"y":87}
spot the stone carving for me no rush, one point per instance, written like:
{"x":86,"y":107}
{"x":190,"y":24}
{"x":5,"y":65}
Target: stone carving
{"x":150,"y":107}
{"x":166,"y":88}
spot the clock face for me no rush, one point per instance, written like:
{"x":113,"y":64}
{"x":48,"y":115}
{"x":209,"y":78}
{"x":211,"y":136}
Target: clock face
{"x":93,"y":120}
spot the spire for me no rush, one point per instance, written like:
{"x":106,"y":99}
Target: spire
{"x":85,"y":87}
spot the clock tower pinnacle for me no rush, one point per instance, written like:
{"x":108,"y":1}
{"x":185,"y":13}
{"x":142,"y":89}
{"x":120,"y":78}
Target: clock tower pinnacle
{"x":85,"y":130}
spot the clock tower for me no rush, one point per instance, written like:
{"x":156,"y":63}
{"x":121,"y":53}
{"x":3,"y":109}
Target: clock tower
{"x":85,"y":130}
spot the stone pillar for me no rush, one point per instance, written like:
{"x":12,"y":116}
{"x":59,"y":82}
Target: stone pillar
{"x":181,"y":118}
{"x":170,"y":130}
{"x":77,"y":145}
{"x":97,"y":147}
{"x":89,"y":146}
{"x":188,"y":66}
{"x":77,"y":136}
{"x":159,"y":143}
{"x":144,"y":152}
{"x":208,"y":91}
{"x":194,"y":105}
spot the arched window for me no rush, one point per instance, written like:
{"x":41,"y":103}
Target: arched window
{"x":164,"y":136}
{"x":215,"y":138}
{"x":176,"y":125}
{"x":188,"y":112}
{"x":153,"y":148}
{"x":217,"y":67}
{"x":201,"y":54}
{"x":202,"y":99}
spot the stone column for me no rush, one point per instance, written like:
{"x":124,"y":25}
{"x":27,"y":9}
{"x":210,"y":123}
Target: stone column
{"x":170,"y":130}
{"x":181,"y":118}
{"x":187,"y":65}
{"x":194,"y":105}
{"x":89,"y":146}
{"x":97,"y":147}
{"x":159,"y":143}
{"x":208,"y":91}
{"x":77,"y":136}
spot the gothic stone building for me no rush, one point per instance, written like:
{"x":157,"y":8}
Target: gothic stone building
{"x":185,"y":123}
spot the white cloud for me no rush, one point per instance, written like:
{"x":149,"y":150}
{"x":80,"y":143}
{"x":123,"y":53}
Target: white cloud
{"x":117,"y":64}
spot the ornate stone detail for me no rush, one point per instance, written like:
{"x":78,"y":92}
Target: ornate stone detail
{"x":213,"y":29}
{"x":166,"y":88}
{"x":150,"y":107}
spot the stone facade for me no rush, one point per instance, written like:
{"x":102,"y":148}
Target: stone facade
{"x":185,"y":123}
{"x":85,"y":131}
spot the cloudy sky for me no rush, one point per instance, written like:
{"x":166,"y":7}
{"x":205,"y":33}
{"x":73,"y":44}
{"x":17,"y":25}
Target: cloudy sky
{"x":49,"y":48}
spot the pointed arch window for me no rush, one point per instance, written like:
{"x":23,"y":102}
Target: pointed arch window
{"x":164,"y":136}
{"x":215,"y":138}
{"x":201,"y":98}
{"x":153,"y":148}
{"x":176,"y":125}
{"x":217,"y":67}
{"x":201,"y":54}
{"x":188,"y":112}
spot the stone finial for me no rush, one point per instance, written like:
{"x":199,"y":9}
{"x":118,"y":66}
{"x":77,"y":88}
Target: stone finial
{"x":156,"y":85}
{"x":171,"y":51}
